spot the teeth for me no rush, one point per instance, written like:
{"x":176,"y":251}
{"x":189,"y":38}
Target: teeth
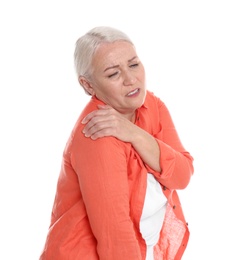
{"x":133,"y":92}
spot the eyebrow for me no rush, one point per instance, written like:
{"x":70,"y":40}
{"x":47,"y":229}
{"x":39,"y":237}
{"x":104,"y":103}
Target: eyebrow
{"x":116,"y":66}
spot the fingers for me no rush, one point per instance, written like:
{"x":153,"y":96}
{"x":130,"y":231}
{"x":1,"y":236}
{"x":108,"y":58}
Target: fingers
{"x":86,"y":119}
{"x":105,"y":121}
{"x":99,"y":133}
{"x":96,"y":125}
{"x":103,"y":110}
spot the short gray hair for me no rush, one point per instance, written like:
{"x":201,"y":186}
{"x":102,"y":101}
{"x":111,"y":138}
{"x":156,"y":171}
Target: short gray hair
{"x":87,"y":44}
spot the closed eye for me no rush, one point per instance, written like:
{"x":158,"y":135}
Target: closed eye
{"x":134,"y":65}
{"x":112,"y":75}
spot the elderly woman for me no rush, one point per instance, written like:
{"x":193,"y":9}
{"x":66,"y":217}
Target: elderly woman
{"x":116,"y":195}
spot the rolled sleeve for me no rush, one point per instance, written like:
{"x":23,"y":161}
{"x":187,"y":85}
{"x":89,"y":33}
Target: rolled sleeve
{"x":176,"y":163}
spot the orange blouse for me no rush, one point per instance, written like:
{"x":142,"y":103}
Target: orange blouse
{"x":101,"y":191}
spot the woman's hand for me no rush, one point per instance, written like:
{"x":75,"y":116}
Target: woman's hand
{"x":106,"y":121}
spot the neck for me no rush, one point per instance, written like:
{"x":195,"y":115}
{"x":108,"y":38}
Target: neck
{"x":131,"y":117}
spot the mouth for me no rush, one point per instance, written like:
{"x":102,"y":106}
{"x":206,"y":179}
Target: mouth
{"x":133,"y":92}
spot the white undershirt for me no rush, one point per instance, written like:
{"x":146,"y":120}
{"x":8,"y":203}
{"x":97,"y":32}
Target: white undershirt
{"x":152,"y":215}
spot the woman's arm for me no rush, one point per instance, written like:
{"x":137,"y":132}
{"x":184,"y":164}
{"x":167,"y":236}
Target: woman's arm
{"x":101,"y":167}
{"x":108,"y":122}
{"x":163,"y":153}
{"x":176,"y":162}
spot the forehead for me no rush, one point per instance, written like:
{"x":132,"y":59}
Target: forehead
{"x":114,"y":53}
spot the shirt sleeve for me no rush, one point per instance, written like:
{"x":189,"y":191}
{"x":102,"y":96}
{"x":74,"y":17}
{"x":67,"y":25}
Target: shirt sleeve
{"x":176,"y":163}
{"x":101,"y":166}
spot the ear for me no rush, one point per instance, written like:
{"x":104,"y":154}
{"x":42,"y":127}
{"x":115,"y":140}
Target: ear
{"x":86,"y":85}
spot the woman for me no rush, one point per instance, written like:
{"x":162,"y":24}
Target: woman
{"x":116,"y":194}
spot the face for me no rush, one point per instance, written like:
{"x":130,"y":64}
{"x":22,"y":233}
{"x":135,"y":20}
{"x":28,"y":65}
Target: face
{"x":118,"y":77}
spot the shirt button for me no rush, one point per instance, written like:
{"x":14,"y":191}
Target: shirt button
{"x":174,"y":206}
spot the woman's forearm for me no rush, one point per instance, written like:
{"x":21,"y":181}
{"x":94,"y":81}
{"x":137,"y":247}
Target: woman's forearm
{"x":147,"y":147}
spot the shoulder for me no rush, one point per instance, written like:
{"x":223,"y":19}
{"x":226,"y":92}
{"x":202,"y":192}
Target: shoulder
{"x":152,"y":100}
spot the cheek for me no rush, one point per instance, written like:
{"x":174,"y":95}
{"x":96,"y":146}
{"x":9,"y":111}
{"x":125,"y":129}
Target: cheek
{"x":142,"y":76}
{"x":106,"y":93}
{"x":143,"y":72}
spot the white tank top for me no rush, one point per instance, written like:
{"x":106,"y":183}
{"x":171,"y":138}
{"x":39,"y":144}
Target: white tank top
{"x":152,"y":215}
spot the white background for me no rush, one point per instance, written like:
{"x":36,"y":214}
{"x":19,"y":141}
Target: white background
{"x":185,"y":46}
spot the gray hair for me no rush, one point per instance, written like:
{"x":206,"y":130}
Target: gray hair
{"x":87,"y":44}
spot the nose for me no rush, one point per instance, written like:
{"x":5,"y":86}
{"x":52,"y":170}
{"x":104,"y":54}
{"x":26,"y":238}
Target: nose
{"x":129,"y":78}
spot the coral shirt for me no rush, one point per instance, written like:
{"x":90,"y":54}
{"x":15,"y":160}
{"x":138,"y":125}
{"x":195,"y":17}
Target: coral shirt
{"x":101,"y":191}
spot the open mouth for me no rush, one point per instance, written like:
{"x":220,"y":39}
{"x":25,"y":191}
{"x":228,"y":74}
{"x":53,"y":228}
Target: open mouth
{"x":133,"y":92}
